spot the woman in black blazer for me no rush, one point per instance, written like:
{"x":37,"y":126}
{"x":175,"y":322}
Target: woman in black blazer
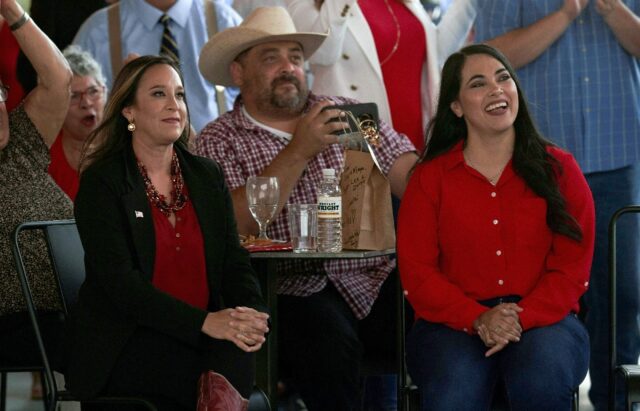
{"x":169,"y":293}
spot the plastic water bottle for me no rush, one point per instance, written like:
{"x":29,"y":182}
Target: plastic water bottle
{"x":329,"y":213}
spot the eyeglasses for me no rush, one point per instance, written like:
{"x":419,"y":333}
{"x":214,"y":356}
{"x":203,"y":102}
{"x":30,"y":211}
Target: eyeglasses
{"x":4,"y":93}
{"x":93,"y":93}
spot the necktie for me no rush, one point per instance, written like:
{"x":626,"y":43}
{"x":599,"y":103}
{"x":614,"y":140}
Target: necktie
{"x":169,"y":46}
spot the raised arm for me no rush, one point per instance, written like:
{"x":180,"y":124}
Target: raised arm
{"x":623,"y":22}
{"x":47,"y":104}
{"x":523,"y":45}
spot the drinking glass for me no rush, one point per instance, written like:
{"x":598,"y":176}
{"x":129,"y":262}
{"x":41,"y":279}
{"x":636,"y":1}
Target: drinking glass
{"x":263,"y":194}
{"x":303,"y":227}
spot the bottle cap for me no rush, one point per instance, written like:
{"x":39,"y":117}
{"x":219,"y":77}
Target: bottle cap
{"x":328,"y":172}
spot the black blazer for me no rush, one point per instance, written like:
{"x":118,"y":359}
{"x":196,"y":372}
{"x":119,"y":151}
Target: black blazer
{"x":116,"y":228}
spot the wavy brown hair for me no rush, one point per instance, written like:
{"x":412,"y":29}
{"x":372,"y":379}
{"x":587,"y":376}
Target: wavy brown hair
{"x":112,"y":135}
{"x":530,"y":160}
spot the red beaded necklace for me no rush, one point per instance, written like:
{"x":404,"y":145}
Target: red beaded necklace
{"x":157,"y":199}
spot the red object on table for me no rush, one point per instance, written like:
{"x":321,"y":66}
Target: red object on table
{"x":269,"y":245}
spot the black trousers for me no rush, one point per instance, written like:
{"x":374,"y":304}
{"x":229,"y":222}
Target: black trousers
{"x":322,"y":344}
{"x":166,"y":371}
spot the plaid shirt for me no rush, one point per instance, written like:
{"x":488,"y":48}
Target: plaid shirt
{"x":244,"y":149}
{"x":584,"y":90}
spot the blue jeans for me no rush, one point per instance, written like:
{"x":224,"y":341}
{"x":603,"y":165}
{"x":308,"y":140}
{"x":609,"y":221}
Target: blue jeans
{"x":611,"y":191}
{"x":540,"y":372}
{"x":380,"y":393}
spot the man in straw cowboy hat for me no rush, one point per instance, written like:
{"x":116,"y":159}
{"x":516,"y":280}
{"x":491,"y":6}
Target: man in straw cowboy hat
{"x":278,"y":128}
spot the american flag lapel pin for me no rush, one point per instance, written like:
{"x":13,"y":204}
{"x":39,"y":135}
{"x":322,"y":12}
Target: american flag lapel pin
{"x":139,"y":214}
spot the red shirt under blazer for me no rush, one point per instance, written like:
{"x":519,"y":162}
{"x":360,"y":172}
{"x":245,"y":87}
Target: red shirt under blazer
{"x":180,"y":268}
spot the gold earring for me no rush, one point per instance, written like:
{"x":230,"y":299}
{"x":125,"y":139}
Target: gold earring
{"x":131,"y":126}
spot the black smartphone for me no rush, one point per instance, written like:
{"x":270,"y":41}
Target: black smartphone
{"x":360,"y":111}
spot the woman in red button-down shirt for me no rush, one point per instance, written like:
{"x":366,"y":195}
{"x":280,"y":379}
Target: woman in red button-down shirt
{"x":495,"y":242}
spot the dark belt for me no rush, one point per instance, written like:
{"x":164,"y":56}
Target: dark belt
{"x":492,"y":302}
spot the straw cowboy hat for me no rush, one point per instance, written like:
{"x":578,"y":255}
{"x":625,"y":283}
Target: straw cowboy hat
{"x":263,"y":25}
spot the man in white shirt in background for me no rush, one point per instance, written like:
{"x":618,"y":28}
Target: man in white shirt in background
{"x":142,"y":32}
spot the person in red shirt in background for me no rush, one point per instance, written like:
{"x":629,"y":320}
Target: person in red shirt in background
{"x":387,"y":52}
{"x":88,"y":98}
{"x":495,"y":241}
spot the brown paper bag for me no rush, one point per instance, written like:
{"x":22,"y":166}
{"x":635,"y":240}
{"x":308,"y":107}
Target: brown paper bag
{"x":367,"y":215}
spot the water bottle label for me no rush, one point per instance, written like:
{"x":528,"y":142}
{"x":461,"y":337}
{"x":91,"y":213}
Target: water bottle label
{"x":330,"y":207}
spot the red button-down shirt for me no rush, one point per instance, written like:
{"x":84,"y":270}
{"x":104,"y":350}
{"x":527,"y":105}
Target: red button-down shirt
{"x":461,"y":240}
{"x":180,"y":266}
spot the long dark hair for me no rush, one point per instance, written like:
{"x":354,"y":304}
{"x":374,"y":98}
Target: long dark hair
{"x":112,"y":135}
{"x":530,"y":160}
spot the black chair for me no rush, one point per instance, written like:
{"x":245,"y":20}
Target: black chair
{"x":16,"y":368}
{"x":67,"y":261}
{"x":630,"y":373}
{"x":258,"y":401}
{"x":408,"y":394}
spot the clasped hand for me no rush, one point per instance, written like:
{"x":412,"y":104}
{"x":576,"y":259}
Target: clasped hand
{"x":573,"y":8}
{"x":606,"y":7}
{"x":243,"y":326}
{"x":499,"y":326}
